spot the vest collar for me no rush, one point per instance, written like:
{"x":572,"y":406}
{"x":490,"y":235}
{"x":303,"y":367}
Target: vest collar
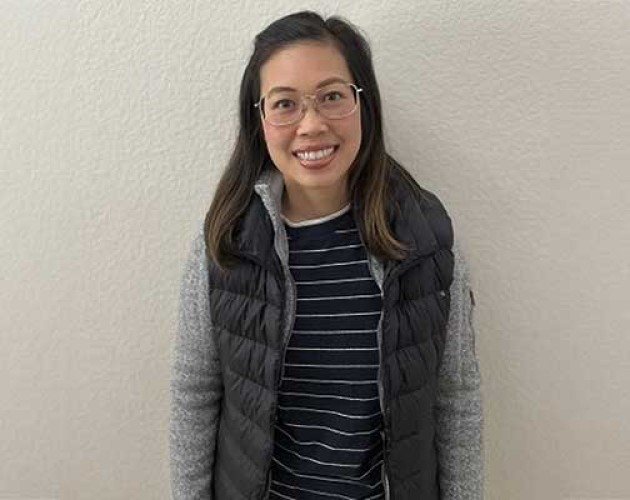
{"x":262,"y":222}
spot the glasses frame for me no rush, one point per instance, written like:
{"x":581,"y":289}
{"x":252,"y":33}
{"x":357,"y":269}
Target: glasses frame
{"x":357,"y":91}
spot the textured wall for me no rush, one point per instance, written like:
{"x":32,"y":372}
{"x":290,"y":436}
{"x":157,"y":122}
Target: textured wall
{"x":115,"y":120}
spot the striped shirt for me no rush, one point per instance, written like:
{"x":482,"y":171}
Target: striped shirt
{"x":328,"y":435}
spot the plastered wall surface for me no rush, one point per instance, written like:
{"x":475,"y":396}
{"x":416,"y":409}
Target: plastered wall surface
{"x":116,"y":119}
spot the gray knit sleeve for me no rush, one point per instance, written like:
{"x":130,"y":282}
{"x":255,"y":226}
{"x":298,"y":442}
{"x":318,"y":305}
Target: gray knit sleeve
{"x":459,"y":405}
{"x":196,"y":387}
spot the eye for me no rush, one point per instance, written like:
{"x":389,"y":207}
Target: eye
{"x":282,"y":104}
{"x":333,"y":96}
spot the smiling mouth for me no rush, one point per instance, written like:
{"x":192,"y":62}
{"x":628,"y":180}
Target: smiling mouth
{"x":316,"y":155}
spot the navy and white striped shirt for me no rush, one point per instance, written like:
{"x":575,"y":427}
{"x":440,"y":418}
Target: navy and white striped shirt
{"x":328,"y":434}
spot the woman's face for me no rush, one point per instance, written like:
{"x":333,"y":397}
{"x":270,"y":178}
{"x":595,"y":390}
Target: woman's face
{"x":303,"y":67}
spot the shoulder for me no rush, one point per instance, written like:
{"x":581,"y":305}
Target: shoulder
{"x":461,"y":270}
{"x":413,"y":201}
{"x":198,"y":247}
{"x":462,"y":297}
{"x":196,"y":265}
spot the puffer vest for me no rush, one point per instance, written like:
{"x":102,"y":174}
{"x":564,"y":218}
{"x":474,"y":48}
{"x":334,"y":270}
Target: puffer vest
{"x":253,"y":308}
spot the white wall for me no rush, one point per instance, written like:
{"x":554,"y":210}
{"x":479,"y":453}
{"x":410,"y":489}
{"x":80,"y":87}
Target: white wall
{"x":115,"y":121}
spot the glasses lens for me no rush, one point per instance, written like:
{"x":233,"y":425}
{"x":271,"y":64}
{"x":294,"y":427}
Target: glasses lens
{"x":336,"y":101}
{"x":282,"y":107}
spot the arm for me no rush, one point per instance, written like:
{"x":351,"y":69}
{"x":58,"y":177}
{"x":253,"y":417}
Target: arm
{"x":196,"y":386}
{"x":459,"y":405}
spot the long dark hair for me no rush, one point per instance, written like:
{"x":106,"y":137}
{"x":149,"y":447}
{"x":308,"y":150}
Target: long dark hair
{"x":369,"y":175}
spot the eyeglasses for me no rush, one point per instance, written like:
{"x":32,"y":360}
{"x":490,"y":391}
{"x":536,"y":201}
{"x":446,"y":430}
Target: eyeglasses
{"x":333,"y":102}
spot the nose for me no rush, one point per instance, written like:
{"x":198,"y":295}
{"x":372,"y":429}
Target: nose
{"x":312,"y":122}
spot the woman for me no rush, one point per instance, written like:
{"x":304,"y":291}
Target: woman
{"x":325,"y":343}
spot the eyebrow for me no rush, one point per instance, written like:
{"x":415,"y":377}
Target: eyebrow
{"x":323,"y":83}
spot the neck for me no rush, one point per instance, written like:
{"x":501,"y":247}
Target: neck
{"x":299,"y":205}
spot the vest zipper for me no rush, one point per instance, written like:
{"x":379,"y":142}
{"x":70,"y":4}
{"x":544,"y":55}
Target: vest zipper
{"x":381,"y":391}
{"x":384,"y":410}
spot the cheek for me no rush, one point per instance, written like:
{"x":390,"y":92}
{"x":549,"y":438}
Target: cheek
{"x":353,"y":132}
{"x":275,"y":138}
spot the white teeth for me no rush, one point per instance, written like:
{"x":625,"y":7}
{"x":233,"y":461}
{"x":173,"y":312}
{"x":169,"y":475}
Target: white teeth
{"x":315,"y":155}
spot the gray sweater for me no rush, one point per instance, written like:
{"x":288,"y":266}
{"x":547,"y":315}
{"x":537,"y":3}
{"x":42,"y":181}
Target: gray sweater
{"x":196,"y":390}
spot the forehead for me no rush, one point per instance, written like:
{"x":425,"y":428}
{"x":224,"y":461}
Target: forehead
{"x":302,"y":66}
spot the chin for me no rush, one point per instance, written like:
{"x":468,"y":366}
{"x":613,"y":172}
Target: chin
{"x":320,"y":179}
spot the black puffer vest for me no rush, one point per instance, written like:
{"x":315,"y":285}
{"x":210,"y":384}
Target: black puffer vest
{"x":252,"y":309}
